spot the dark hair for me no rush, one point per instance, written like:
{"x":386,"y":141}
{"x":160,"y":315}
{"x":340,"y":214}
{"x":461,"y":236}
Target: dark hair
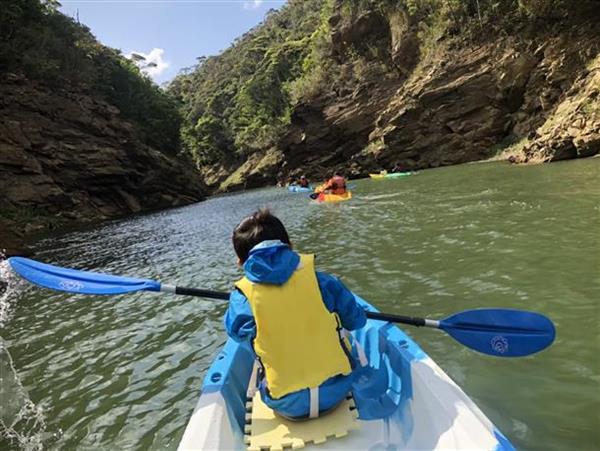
{"x":261,"y":226}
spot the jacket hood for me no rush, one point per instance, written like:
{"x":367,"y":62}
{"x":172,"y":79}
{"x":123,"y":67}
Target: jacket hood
{"x":271,"y":262}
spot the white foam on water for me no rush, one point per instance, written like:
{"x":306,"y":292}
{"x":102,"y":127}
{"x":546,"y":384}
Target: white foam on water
{"x":8,"y":280}
{"x":22,"y":422}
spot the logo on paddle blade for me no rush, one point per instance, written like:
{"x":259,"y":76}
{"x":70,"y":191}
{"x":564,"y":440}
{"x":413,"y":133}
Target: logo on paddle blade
{"x":499,"y":344}
{"x":70,"y":285}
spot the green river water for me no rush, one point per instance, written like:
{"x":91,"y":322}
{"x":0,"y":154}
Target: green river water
{"x":83,"y":372}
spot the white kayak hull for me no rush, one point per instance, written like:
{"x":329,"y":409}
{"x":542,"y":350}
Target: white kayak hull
{"x":419,"y":407}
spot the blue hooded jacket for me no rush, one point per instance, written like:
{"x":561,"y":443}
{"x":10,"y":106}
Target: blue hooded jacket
{"x":273,"y":262}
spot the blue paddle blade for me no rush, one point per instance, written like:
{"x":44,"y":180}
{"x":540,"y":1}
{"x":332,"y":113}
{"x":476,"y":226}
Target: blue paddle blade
{"x":74,"y":281}
{"x":501,"y":332}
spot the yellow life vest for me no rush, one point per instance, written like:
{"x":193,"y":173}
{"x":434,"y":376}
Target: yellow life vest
{"x":297,"y":338}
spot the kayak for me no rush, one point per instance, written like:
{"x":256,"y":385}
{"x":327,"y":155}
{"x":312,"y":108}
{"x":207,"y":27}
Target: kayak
{"x":399,"y":174}
{"x":392,"y":175}
{"x":299,"y":189}
{"x":404,"y":401}
{"x":322,"y":197}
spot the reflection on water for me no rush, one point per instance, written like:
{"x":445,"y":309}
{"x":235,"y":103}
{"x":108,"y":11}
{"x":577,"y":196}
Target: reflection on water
{"x":124,"y":371}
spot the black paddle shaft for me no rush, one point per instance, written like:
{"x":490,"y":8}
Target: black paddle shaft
{"x":202,"y":293}
{"x":419,"y":322}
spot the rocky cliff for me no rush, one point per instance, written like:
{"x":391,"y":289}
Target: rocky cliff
{"x":68,"y":157}
{"x":84,"y":135}
{"x":463,"y":101}
{"x":397,"y":86}
{"x":572,"y":129}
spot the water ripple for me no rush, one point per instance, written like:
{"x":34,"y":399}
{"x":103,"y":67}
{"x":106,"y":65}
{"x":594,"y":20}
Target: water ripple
{"x":124,"y":372}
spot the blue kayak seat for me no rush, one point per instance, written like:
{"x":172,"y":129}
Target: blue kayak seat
{"x":380,"y":387}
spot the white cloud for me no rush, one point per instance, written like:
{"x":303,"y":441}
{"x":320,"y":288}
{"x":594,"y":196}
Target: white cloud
{"x":152,"y":63}
{"x":253,"y":4}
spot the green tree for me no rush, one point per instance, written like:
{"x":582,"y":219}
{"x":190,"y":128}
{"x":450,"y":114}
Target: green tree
{"x":239,"y":101}
{"x":43,"y":44}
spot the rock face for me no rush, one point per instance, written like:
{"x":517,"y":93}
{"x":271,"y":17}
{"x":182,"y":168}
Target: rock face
{"x":11,"y":244}
{"x":458,"y":104}
{"x":572,"y":130}
{"x":70,"y":157}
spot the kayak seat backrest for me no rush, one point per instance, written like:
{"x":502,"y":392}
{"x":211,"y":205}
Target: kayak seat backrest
{"x":384,"y":386}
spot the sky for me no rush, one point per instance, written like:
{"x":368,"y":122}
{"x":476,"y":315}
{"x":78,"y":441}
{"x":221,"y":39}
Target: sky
{"x":171,"y":34}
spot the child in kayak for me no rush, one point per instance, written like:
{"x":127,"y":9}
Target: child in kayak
{"x":293,"y":316}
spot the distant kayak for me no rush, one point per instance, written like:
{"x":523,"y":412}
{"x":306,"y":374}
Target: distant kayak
{"x":392,"y":175}
{"x":322,"y":197}
{"x":299,"y":189}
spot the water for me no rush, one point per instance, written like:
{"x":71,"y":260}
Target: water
{"x":123,"y":372}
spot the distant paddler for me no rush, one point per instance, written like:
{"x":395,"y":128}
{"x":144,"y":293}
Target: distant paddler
{"x":333,"y":190}
{"x":303,"y":182}
{"x":301,"y":185}
{"x":335,"y":185}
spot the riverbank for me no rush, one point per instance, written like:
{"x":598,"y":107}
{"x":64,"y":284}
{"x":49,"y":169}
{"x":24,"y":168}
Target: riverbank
{"x":377,"y":85}
{"x":68,"y":157}
{"x":84,"y":135}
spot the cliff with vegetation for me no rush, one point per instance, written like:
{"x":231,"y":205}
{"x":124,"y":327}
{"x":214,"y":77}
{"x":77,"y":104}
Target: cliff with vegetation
{"x":83,"y":134}
{"x":365,"y":85}
{"x":320,"y":85}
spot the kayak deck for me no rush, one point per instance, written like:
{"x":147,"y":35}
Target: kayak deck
{"x":404,"y":400}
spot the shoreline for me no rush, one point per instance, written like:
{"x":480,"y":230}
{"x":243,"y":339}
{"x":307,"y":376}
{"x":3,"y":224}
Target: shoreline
{"x":15,"y":242}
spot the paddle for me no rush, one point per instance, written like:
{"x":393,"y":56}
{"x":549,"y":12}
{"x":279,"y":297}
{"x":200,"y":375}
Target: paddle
{"x":497,"y":332}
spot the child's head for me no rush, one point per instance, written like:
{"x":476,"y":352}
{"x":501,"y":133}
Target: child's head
{"x":260,"y":226}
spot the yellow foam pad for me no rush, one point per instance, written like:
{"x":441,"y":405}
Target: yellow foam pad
{"x":268,"y":431}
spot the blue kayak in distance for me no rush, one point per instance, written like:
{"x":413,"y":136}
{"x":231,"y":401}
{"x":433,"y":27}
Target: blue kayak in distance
{"x":299,"y":189}
{"x":404,"y":400}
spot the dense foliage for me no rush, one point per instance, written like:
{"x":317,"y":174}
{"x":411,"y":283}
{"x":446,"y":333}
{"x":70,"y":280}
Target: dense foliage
{"x":240,"y":101}
{"x":43,"y":44}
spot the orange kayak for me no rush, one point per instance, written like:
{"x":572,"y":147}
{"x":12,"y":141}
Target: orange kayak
{"x":334,"y":197}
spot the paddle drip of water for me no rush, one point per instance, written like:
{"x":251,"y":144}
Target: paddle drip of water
{"x":8,"y":292}
{"x":22,"y":422}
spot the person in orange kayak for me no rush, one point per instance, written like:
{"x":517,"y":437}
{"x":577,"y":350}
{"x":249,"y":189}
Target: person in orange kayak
{"x":294,"y":317}
{"x":336,"y":184}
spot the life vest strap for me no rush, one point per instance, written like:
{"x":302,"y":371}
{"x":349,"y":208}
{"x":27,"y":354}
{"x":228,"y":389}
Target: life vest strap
{"x":314,"y":402}
{"x":253,"y":383}
{"x":362,"y":356}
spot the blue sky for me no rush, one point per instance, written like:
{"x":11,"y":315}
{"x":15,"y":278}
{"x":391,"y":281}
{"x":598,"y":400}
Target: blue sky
{"x":170,"y":33}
